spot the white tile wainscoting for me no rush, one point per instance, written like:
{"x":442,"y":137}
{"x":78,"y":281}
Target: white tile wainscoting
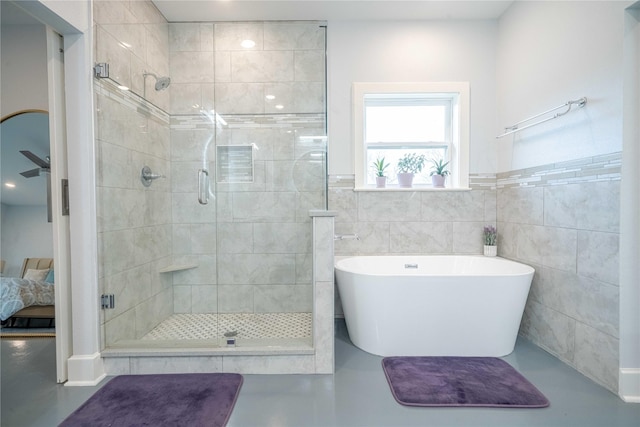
{"x":563,"y":219}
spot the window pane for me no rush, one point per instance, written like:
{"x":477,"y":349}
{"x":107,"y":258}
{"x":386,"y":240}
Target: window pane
{"x":405,"y":123}
{"x":392,"y":155}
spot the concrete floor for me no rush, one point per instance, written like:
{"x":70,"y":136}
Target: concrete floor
{"x":357,"y":395}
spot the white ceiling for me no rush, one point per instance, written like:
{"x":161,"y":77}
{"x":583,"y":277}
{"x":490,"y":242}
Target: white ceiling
{"x":258,"y":10}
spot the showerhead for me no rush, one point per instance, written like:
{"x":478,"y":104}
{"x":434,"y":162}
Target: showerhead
{"x":161,"y":82}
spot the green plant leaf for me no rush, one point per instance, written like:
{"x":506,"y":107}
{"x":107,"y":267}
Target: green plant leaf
{"x":411,"y":163}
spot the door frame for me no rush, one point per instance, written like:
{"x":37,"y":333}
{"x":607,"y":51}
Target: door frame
{"x":74,"y":21}
{"x":60,"y":222}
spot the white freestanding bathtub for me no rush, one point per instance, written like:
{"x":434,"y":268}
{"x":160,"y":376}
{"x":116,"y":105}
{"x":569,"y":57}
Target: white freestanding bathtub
{"x":433,"y":305}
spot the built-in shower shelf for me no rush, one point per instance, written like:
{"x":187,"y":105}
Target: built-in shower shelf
{"x":177,"y":267}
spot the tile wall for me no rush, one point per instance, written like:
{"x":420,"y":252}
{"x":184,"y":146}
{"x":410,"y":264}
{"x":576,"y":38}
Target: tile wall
{"x":132,"y":37}
{"x":412,"y":222}
{"x":563,"y":219}
{"x":134,"y":222}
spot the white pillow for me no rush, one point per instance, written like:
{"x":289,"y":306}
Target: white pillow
{"x":38,"y":275}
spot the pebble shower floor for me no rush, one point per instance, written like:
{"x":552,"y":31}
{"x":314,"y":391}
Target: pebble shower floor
{"x":247,"y":326}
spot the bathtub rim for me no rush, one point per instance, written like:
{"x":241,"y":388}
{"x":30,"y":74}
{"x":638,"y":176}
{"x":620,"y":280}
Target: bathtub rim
{"x":530,"y":270}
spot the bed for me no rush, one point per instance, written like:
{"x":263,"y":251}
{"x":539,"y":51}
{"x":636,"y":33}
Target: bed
{"x":30,"y":296}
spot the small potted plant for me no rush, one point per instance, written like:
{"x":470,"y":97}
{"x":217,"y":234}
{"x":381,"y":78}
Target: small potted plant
{"x":438,"y":173}
{"x":408,"y":166}
{"x":490,"y":240}
{"x":379,"y":166}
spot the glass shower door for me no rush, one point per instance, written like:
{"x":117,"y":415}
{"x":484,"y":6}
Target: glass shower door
{"x":270,"y":171}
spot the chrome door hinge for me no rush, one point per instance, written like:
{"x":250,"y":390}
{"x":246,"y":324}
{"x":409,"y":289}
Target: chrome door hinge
{"x":107,"y":301}
{"x":101,"y":70}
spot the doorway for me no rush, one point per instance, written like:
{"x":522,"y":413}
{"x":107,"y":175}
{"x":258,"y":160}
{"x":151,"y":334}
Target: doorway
{"x":33,"y":86}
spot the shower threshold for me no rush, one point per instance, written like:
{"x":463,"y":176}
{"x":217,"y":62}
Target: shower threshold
{"x":255,"y":333}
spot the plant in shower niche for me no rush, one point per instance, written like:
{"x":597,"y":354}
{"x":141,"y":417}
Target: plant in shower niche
{"x":379,"y":166}
{"x":409,"y":165}
{"x":490,"y":240}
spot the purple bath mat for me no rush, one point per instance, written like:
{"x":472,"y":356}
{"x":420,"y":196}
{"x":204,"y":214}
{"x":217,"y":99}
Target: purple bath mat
{"x":459,"y":381}
{"x":160,"y":400}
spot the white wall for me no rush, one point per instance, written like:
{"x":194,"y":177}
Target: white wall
{"x":549,"y":53}
{"x":25,"y":234}
{"x":24,"y":68}
{"x":629,"y":224}
{"x":412,"y":51}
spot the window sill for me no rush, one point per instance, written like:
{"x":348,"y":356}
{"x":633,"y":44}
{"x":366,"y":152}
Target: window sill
{"x":397,"y":189}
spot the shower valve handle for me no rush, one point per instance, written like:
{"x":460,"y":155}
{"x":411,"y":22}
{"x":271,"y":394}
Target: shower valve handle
{"x":147,"y":177}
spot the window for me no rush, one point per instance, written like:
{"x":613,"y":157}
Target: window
{"x":394,"y":119}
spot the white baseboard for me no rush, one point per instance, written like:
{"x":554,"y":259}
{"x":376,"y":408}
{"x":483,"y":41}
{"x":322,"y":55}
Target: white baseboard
{"x":629,"y":385}
{"x":85,"y":370}
{"x":85,"y":383}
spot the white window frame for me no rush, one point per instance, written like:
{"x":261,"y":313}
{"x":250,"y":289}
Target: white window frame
{"x":458,"y":151}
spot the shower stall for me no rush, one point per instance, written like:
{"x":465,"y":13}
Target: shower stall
{"x":208,"y":163}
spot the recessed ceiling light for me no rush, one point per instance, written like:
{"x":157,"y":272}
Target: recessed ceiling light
{"x":248,"y":44}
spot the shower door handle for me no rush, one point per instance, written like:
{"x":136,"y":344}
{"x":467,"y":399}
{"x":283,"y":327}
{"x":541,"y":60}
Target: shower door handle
{"x":203,"y":186}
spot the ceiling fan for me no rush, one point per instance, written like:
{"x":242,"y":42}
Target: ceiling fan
{"x":44,"y":166}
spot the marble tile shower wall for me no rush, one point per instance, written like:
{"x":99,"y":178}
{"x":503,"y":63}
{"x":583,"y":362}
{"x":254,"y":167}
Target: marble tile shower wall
{"x":132,"y":37}
{"x":134,"y":222}
{"x":253,"y":239}
{"x":563,"y":219}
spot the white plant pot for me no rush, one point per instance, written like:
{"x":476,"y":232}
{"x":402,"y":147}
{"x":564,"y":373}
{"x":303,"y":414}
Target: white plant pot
{"x":405,"y":180}
{"x":437,"y":181}
{"x":490,"y":250}
{"x":381,"y":181}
